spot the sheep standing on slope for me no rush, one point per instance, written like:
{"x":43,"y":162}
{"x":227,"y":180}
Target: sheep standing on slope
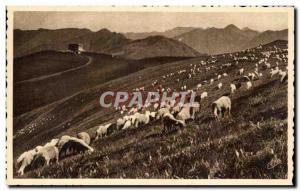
{"x":120,"y":123}
{"x":233,"y":88}
{"x":199,"y":86}
{"x":25,"y":160}
{"x":241,"y":71}
{"x":85,"y":137}
{"x":220,"y":85}
{"x":170,"y":122}
{"x":161,"y":112}
{"x":68,"y":145}
{"x":127,"y":124}
{"x":221,"y":106}
{"x":203,"y":95}
{"x":283,"y":76}
{"x":101,"y":131}
{"x":48,"y":153}
{"x":274,"y":72}
{"x":142,"y":118}
{"x":188,"y":111}
{"x":249,"y":85}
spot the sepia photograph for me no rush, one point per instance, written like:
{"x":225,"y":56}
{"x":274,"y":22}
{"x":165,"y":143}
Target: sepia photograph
{"x":149,"y":95}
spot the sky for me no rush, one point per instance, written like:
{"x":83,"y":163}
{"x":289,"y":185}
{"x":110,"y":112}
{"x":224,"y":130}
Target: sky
{"x":147,"y":21}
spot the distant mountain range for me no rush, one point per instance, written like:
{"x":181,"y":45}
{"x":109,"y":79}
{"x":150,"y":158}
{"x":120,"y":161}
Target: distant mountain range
{"x":168,"y":33}
{"x":218,"y":40}
{"x":177,"y":42}
{"x":26,"y":42}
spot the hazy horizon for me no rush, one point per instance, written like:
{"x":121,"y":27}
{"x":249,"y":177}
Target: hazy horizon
{"x":149,"y":21}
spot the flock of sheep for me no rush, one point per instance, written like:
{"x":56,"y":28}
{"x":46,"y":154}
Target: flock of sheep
{"x":170,"y":114}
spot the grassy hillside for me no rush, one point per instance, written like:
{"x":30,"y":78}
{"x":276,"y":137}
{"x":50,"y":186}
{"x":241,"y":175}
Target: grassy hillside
{"x":242,"y":146}
{"x":45,"y":63}
{"x":30,"y":95}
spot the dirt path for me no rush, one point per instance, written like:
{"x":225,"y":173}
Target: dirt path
{"x":90,"y":59}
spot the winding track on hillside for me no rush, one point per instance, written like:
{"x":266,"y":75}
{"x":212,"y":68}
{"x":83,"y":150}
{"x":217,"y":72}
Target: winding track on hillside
{"x":90,"y":60}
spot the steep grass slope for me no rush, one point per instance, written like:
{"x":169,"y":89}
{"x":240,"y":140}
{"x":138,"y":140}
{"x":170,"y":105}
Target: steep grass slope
{"x":252,"y":143}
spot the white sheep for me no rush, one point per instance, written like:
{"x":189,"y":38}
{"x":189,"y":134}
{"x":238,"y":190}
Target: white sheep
{"x":283,"y":76}
{"x":70,"y":145}
{"x":211,"y":81}
{"x":225,"y":74}
{"x":127,"y":124}
{"x":219,"y":76}
{"x":120,"y":122}
{"x":102,"y":130}
{"x":142,"y":118}
{"x":221,"y":106}
{"x":274,"y":72}
{"x":169,"y":122}
{"x":203,"y":95}
{"x":233,"y":88}
{"x":188,"y":111}
{"x":48,"y":152}
{"x":220,"y":85}
{"x":161,"y":112}
{"x":85,"y":137}
{"x":249,"y":85}
{"x":241,"y":71}
{"x":25,"y":159}
{"x":199,"y":86}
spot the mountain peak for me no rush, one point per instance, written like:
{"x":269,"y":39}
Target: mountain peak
{"x":104,"y":30}
{"x":231,"y":27}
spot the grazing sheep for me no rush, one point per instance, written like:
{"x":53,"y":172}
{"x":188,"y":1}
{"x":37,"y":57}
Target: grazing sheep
{"x":188,"y":111}
{"x":127,"y":124}
{"x":241,"y":71}
{"x":68,"y":145}
{"x":199,"y":86}
{"x":176,"y":110}
{"x":274,"y":72}
{"x":161,"y":112}
{"x":225,"y":74}
{"x":211,"y":81}
{"x":142,"y":118}
{"x":85,"y":137}
{"x":252,"y":76}
{"x":219,"y":76}
{"x":220,"y":106}
{"x":152,"y":115}
{"x":220,"y":85}
{"x":101,"y":131}
{"x":233,"y":88}
{"x":283,"y":76}
{"x":203,"y":95}
{"x":170,"y":122}
{"x":120,"y":123}
{"x":25,"y":159}
{"x":48,"y":153}
{"x":249,"y":85}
